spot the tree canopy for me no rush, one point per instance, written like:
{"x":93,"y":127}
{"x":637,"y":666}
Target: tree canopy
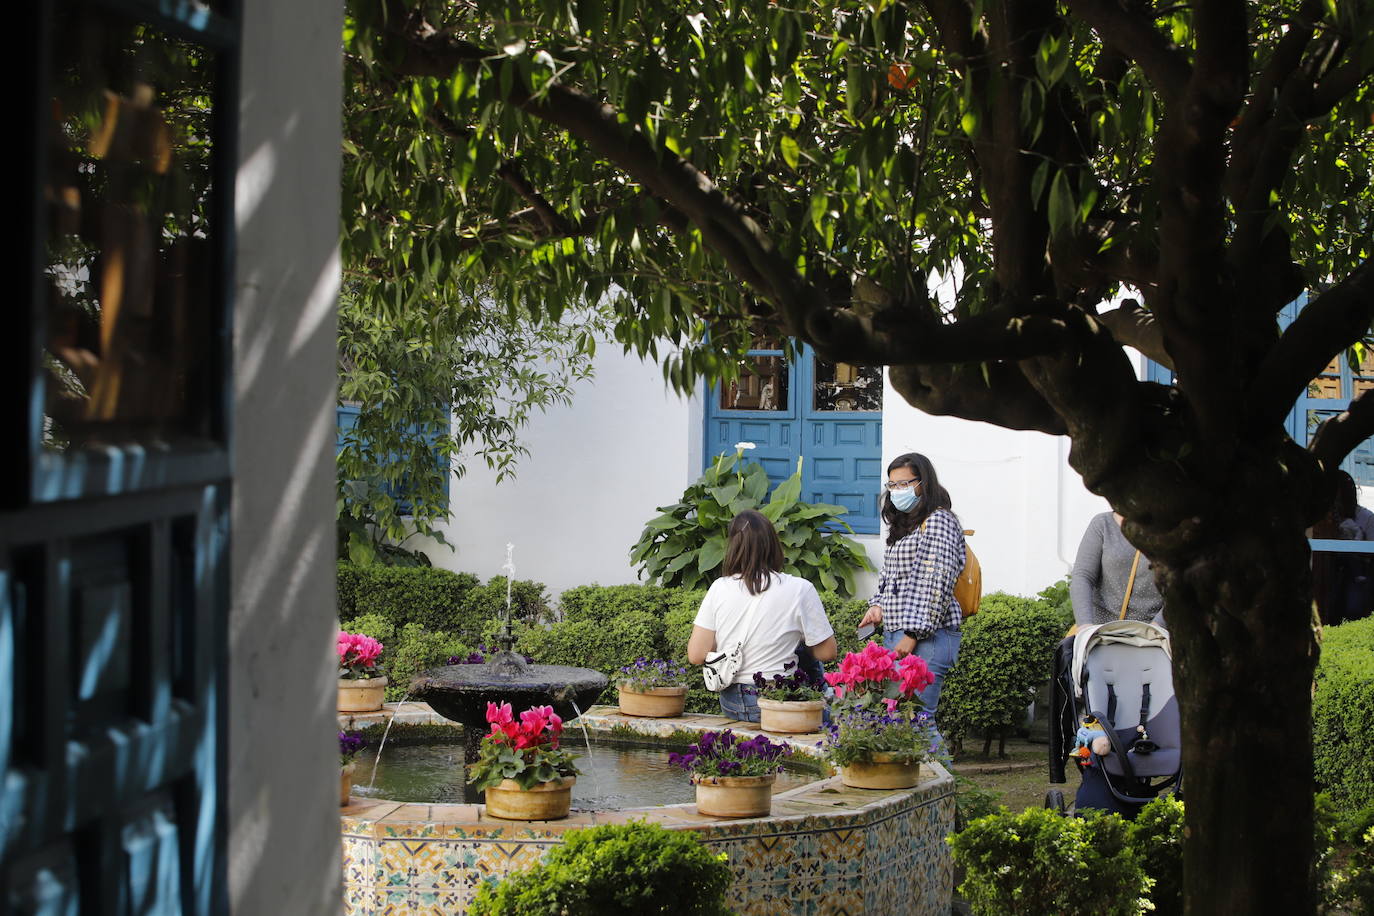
{"x":718,"y":169}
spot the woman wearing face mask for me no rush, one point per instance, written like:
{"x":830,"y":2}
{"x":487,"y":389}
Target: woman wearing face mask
{"x":925,"y":554}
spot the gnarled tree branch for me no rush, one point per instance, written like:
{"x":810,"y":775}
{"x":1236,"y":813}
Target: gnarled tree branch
{"x":1339,"y":436}
{"x":1321,"y":331}
{"x":1133,"y":35}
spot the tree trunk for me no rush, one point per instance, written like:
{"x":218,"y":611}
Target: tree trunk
{"x":1240,"y":613}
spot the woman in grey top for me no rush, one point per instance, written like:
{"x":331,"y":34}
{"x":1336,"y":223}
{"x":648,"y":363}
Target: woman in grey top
{"x":1101,"y":572}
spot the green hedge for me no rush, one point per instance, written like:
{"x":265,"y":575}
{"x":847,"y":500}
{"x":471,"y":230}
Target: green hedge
{"x":1005,"y":655}
{"x":433,"y":598}
{"x":607,"y":602}
{"x":1040,"y":863}
{"x":615,"y":870}
{"x":1342,"y":710}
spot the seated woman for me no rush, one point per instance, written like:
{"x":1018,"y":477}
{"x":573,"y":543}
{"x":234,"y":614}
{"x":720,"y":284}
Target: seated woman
{"x":757,"y":604}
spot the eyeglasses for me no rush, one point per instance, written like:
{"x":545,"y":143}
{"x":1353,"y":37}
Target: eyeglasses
{"x":900,"y":484}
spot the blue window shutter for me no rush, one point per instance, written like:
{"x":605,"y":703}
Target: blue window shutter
{"x":346,"y":420}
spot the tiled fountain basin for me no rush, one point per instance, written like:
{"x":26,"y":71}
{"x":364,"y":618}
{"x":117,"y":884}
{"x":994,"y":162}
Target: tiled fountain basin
{"x":825,"y":849}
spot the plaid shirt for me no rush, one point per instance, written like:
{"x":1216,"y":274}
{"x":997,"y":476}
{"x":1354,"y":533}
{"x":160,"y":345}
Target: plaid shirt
{"x":916,"y":588}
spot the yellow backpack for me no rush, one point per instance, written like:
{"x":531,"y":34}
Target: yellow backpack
{"x":968,"y":588}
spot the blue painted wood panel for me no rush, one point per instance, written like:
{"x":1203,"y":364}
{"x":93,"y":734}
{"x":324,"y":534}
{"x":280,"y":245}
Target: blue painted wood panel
{"x":841,"y":450}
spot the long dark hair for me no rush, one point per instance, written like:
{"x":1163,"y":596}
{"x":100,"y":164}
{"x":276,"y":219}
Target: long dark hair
{"x":754,"y":552}
{"x":933,"y":496}
{"x":1346,"y":500}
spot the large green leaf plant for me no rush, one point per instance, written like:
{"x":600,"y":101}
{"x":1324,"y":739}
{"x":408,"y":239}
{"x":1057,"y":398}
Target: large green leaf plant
{"x":685,"y":545}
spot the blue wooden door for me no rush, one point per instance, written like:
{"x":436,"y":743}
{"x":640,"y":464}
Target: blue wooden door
{"x":842,"y":427}
{"x":114,"y":526}
{"x":828,"y":415}
{"x":759,"y":408}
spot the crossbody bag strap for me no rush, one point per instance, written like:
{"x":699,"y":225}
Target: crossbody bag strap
{"x":1130,"y":584}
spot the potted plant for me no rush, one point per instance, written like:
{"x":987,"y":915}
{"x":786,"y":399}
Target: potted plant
{"x":880,"y":735}
{"x":791,"y":703}
{"x":653,"y":688}
{"x":349,"y":746}
{"x":734,"y":777}
{"x":525,"y":774}
{"x":362,"y":686}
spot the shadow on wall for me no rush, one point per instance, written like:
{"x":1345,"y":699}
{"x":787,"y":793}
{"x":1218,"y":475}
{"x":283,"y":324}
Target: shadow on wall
{"x":283,"y":797}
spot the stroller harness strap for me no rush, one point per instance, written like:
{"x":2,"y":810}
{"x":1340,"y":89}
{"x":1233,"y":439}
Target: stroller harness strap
{"x":1111,"y":705}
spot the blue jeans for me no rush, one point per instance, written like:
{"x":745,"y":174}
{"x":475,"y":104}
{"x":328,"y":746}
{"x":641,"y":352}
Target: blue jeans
{"x":739,"y":702}
{"x":940,"y":650}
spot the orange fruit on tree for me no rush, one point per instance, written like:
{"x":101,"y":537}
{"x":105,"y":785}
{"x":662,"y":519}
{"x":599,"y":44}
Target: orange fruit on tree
{"x":899,"y":76}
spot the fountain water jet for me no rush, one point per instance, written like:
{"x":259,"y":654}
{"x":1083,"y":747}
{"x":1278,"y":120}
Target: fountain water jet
{"x":461,"y":692}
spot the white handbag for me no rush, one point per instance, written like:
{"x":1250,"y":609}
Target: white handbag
{"x":719,"y":670}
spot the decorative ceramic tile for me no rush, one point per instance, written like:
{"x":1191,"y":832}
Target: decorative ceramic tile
{"x":828,"y":849}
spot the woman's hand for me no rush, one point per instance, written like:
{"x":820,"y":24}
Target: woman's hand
{"x":873,"y":615}
{"x":905,"y":647}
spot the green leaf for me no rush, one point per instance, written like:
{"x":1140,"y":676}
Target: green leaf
{"x":1062,"y":210}
{"x":726,"y":493}
{"x":790,"y":151}
{"x":712,"y":553}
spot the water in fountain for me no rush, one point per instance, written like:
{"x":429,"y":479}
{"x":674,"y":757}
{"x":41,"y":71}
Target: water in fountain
{"x":385,"y":732}
{"x":461,"y":692}
{"x":586,"y":736}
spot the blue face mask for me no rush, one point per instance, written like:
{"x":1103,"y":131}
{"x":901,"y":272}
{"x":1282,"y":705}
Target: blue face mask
{"x":904,"y":500}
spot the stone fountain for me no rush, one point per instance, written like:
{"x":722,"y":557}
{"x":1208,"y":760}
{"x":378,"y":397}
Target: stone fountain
{"x":461,"y":693}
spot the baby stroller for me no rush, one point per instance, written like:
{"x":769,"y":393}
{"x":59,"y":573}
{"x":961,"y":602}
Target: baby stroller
{"x":1113,"y":712}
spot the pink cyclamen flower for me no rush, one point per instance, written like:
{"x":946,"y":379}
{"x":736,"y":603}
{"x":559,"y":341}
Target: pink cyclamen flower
{"x":500,"y":715}
{"x":915,"y":675}
{"x":891,"y":703}
{"x":355,"y":649}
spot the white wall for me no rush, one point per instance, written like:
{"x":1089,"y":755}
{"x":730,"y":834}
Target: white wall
{"x":595,"y":473}
{"x":1027,"y":508}
{"x":283,"y":808}
{"x":597,"y":470}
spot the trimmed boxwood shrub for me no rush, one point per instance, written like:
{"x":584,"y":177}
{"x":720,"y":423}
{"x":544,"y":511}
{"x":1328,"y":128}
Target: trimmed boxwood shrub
{"x":528,"y":602}
{"x":604,"y":646}
{"x":1005,"y":655}
{"x":1156,"y":835}
{"x":1342,"y":710}
{"x":433,"y":598}
{"x":607,"y":602}
{"x":416,"y":650}
{"x":683,"y":604}
{"x":845,"y":614}
{"x":1040,"y":863}
{"x":615,"y":870}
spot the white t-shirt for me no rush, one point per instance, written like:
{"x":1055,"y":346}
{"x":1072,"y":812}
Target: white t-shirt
{"x":789,"y":612}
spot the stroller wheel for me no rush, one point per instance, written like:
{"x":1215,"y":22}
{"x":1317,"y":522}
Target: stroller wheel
{"x":1054,"y":800}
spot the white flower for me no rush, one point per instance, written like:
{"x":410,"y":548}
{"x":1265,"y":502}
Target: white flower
{"x":743,"y":445}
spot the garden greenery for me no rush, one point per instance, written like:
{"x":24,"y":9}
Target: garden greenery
{"x":685,"y":545}
{"x":1040,"y":863}
{"x":526,"y":749}
{"x":1342,"y":710}
{"x":434,"y":390}
{"x":1005,"y":655}
{"x":615,"y":870}
{"x":646,"y":674}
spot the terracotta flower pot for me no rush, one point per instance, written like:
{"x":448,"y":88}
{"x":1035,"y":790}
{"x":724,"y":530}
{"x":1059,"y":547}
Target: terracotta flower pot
{"x":345,"y":783}
{"x":545,"y":801}
{"x":735,"y":796}
{"x":361,"y":694}
{"x":654,"y":703}
{"x":882,"y":772}
{"x":790,"y":717}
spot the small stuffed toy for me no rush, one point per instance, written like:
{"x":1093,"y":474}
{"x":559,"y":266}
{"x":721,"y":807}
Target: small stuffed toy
{"x":1091,"y":739}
